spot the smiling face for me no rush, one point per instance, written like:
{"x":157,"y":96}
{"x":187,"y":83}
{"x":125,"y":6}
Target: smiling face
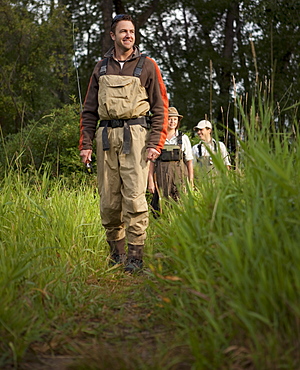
{"x":124,"y":36}
{"x":204,"y":134}
{"x":172,"y":123}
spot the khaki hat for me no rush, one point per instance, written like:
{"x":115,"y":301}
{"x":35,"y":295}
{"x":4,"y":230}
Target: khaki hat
{"x":174,"y":113}
{"x":203,"y":124}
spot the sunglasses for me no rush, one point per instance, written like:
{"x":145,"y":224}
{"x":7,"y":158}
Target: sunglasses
{"x":117,"y":18}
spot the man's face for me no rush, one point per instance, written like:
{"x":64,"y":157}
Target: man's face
{"x":204,"y":134}
{"x":173,"y":122}
{"x":124,"y":36}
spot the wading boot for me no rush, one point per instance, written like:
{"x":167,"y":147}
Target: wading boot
{"x":117,"y":252}
{"x":135,"y":258}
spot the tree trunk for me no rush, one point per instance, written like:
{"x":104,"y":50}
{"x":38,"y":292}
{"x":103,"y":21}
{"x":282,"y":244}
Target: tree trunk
{"x":142,"y":19}
{"x":119,"y":6}
{"x":107,"y":10}
{"x":225,"y":72}
{"x":227,"y":54}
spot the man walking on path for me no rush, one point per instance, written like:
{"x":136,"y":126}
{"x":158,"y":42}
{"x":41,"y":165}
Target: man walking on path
{"x":124,"y":87}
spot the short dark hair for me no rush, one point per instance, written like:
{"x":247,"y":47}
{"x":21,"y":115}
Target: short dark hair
{"x":118,"y":18}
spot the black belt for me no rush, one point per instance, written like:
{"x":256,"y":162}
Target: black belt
{"x":114,"y":123}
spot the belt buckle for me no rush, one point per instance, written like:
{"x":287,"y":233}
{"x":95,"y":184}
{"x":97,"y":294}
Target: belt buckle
{"x":117,"y":123}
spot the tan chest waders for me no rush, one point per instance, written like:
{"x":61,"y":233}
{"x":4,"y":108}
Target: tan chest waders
{"x":122,"y":170}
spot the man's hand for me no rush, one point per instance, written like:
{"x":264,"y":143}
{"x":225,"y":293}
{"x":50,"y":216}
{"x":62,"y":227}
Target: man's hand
{"x":151,"y":185}
{"x":86,"y":155}
{"x":152,"y":154}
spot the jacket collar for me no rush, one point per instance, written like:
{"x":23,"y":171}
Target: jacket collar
{"x":110,"y":52}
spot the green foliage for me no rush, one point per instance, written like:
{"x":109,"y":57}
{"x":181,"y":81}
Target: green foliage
{"x":215,"y":41}
{"x":51,"y":141}
{"x":218,"y":41}
{"x":36,"y":62}
{"x":230,"y":256}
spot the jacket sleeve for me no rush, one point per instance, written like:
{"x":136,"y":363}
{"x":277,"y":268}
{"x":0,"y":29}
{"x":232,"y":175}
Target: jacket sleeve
{"x":89,"y":116}
{"x":159,"y":103}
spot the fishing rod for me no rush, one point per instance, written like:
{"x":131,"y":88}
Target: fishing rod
{"x":76,"y":68}
{"x":88,"y":165}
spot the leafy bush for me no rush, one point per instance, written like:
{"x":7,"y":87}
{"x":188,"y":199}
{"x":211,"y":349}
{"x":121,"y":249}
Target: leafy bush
{"x":52,"y":141}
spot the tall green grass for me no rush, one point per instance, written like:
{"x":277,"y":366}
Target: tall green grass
{"x":58,"y":294}
{"x":50,"y":242}
{"x":231,"y":256}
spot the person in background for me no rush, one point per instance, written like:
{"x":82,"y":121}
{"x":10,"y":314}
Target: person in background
{"x":168,"y":174}
{"x":125,"y":85}
{"x":201,"y":154}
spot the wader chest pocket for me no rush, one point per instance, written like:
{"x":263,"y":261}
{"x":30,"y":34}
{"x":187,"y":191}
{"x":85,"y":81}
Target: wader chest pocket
{"x":168,"y":155}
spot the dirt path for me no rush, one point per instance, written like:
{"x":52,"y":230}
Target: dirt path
{"x":129,"y":331}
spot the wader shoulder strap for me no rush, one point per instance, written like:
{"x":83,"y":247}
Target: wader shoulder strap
{"x":179,"y":139}
{"x":215,"y":146}
{"x":200,"y":148}
{"x":103,"y":67}
{"x":139,"y":67}
{"x":179,"y":142}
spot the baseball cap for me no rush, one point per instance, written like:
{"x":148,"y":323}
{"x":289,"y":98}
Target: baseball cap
{"x":203,"y":124}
